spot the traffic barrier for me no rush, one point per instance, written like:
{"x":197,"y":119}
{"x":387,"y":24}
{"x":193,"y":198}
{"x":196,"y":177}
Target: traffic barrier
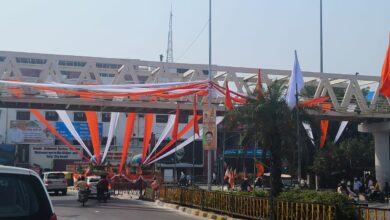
{"x":369,"y":213}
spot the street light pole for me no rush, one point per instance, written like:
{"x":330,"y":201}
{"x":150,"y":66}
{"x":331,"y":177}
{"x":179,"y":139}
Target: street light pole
{"x":209,"y":153}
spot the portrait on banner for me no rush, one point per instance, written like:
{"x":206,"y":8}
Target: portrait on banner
{"x":209,"y":136}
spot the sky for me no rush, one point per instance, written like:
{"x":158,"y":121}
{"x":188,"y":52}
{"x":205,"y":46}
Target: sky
{"x":245,"y":33}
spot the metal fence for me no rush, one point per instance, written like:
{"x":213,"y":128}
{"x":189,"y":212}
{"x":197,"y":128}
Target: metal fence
{"x":367,"y":213}
{"x":247,"y":206}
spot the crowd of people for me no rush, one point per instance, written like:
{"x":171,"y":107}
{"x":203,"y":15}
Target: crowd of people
{"x":370,"y":189}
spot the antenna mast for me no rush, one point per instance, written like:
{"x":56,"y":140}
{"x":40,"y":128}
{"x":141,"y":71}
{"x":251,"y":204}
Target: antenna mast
{"x":170,"y":46}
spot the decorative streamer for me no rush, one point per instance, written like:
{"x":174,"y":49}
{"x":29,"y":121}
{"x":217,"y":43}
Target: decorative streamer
{"x":196,"y":124}
{"x":324,"y":124}
{"x":343,"y":125}
{"x":149,"y":119}
{"x":312,"y":102}
{"x":113,"y":123}
{"x":67,"y":122}
{"x":228,"y":100}
{"x":309,"y":131}
{"x":183,"y":144}
{"x":55,"y":132}
{"x":127,"y":138}
{"x":94,"y":132}
{"x":164,"y":133}
{"x":181,"y":133}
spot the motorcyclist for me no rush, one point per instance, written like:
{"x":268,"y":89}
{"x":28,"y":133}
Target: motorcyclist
{"x":102,"y":186}
{"x":82,"y":186}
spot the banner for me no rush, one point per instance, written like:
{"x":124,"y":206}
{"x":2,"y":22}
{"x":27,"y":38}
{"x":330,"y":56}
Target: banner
{"x":44,"y":155}
{"x":81,"y":128}
{"x":7,"y":154}
{"x":209,"y":128}
{"x":29,"y":132}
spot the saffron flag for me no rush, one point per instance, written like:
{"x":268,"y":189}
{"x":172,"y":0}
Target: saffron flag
{"x":324,"y":125}
{"x":385,"y":76}
{"x":228,"y":99}
{"x":176,"y":125}
{"x":295,"y":84}
{"x":260,"y":169}
{"x":196,"y":125}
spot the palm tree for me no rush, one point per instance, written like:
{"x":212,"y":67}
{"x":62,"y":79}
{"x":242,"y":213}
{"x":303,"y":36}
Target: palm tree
{"x":271,"y":123}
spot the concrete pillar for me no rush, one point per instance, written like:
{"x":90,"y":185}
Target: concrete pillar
{"x":382,"y":157}
{"x":381,"y":135}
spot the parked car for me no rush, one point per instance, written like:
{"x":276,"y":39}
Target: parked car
{"x":23,"y":195}
{"x":92,"y":184}
{"x":55,"y":182}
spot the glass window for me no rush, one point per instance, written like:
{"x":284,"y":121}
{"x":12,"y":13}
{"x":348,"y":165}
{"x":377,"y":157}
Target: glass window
{"x":70,"y":74}
{"x":142,"y":79}
{"x":183,"y":118}
{"x":79,"y":116}
{"x":71,"y":63}
{"x":106,"y":117}
{"x":162,"y":118}
{"x":30,"y":72}
{"x":23,"y":197}
{"x":56,"y":176}
{"x":108,"y":66}
{"x":22,"y":115}
{"x":92,"y":76}
{"x":51,"y":116}
{"x":2,"y":59}
{"x":26,"y":60}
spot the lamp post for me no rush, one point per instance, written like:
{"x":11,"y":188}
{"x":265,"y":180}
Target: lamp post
{"x":209,"y":152}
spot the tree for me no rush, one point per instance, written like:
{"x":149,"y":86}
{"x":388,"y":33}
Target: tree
{"x":271,"y":123}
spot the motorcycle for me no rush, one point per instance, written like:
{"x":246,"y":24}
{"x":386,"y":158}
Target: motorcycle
{"x":103,"y":195}
{"x":83,"y":196}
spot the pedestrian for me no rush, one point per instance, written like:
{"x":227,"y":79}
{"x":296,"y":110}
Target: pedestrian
{"x":356,"y":185}
{"x":386,"y":190}
{"x":245,"y":186}
{"x":214,"y":178}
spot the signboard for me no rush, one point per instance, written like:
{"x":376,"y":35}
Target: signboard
{"x":81,"y":128}
{"x":44,"y":155}
{"x":29,"y":132}
{"x":209,"y":136}
{"x":7,"y":154}
{"x":248,"y":153}
{"x":70,"y":168}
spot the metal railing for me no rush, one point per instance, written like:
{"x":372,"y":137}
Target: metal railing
{"x":368,"y":213}
{"x":247,"y":206}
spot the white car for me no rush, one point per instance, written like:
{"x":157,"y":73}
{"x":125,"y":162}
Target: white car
{"x":55,"y":182}
{"x":92,"y":183}
{"x":23,"y":195}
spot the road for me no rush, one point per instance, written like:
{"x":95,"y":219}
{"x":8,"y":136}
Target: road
{"x":67,"y":208}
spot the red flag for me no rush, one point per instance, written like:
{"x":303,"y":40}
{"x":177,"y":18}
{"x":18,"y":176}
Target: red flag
{"x":228,"y":99}
{"x":176,"y":125}
{"x":196,"y":125}
{"x":385,"y":78}
{"x":259,"y":88}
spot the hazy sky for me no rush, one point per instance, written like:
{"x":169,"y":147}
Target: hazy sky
{"x":246,"y":33}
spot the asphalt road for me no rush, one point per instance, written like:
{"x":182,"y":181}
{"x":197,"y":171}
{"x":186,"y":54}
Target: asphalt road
{"x":68,"y":208}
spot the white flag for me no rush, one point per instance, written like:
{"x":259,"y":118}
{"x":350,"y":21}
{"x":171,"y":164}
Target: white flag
{"x":295,"y":85}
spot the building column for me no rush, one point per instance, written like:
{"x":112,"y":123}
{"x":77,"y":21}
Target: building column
{"x":381,"y":133}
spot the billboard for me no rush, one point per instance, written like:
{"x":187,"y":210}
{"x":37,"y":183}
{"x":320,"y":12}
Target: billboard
{"x":29,"y":132}
{"x":81,"y":128}
{"x":7,"y":154}
{"x":209,"y":136}
{"x":45,"y":155}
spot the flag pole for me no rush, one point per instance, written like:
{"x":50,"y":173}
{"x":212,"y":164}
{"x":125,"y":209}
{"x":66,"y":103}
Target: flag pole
{"x":298,"y":138}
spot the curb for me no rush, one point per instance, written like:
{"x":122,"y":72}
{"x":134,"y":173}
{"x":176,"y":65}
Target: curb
{"x":195,"y":212}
